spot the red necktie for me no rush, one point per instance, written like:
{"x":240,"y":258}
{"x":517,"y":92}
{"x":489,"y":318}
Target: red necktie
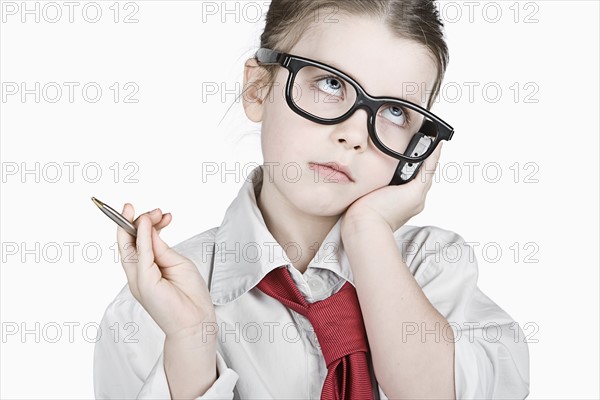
{"x":338,"y":324}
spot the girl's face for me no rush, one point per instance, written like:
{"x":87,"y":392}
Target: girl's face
{"x":384,"y":65}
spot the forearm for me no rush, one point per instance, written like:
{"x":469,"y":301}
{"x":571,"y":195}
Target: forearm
{"x":190,"y":365}
{"x":394,"y":305}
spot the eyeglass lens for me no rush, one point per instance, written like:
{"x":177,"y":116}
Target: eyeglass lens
{"x":325,"y":95}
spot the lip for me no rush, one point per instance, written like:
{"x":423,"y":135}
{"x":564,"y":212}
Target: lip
{"x":335,"y":166}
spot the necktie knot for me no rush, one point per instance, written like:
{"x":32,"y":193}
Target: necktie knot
{"x":339,"y":328}
{"x":338,"y":324}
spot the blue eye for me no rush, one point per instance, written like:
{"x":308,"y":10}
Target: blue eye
{"x":396,"y":115}
{"x":331,"y":85}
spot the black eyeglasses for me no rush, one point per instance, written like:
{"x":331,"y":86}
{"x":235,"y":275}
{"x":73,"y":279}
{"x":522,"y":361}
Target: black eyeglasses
{"x":326,"y":95}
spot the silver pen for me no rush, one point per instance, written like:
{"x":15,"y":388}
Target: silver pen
{"x":115,"y":216}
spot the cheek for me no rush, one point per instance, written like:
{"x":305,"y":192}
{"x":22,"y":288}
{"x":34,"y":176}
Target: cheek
{"x":277,"y":133}
{"x":389,"y":164}
{"x":284,"y":134}
{"x":381,"y":173}
{"x":380,"y":170}
{"x":273,"y":128}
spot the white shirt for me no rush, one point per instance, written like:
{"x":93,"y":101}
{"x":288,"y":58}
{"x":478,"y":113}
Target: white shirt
{"x":267,"y":351}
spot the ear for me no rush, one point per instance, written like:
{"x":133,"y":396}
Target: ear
{"x":255,"y":90}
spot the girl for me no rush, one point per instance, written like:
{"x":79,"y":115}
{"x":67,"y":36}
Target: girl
{"x":314,"y":286}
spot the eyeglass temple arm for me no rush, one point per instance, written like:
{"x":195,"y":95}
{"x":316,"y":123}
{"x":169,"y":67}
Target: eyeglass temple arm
{"x":430,"y":129}
{"x":268,"y":56}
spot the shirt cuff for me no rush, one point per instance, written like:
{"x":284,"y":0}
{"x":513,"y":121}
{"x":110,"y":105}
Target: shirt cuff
{"x":157,"y":387}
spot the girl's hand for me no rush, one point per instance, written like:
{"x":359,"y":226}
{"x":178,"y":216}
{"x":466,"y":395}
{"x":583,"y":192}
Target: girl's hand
{"x":166,"y":284}
{"x":394,"y":204}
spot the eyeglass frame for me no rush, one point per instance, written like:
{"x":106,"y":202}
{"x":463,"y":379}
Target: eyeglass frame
{"x":364,"y":100}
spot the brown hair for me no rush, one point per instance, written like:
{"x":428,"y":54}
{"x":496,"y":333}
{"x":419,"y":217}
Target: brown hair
{"x":418,"y":20}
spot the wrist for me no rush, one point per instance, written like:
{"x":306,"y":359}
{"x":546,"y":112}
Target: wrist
{"x":196,"y":337}
{"x":356,"y":225}
{"x":190,"y":364}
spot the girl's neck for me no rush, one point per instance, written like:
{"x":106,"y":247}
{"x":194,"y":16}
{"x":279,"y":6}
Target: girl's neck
{"x":292,"y":228}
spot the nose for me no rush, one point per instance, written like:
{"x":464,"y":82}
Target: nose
{"x":353,"y":132}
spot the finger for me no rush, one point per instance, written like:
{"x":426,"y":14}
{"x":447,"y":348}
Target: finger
{"x":147,"y":271}
{"x":154,"y":215}
{"x":127,"y":248}
{"x":435,"y":158}
{"x":165,"y":220}
{"x":429,"y":166}
{"x":438,"y":152}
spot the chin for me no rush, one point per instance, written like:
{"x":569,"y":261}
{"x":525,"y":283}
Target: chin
{"x":323,"y":201}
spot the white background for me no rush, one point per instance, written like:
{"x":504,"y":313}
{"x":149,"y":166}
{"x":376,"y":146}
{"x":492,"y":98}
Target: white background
{"x":549,"y":209}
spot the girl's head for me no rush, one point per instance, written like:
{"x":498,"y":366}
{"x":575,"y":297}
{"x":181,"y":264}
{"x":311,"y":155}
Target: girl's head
{"x":418,"y":20}
{"x":392,"y":48}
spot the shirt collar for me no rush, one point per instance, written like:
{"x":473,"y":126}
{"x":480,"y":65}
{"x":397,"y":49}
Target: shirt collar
{"x":245,"y":251}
